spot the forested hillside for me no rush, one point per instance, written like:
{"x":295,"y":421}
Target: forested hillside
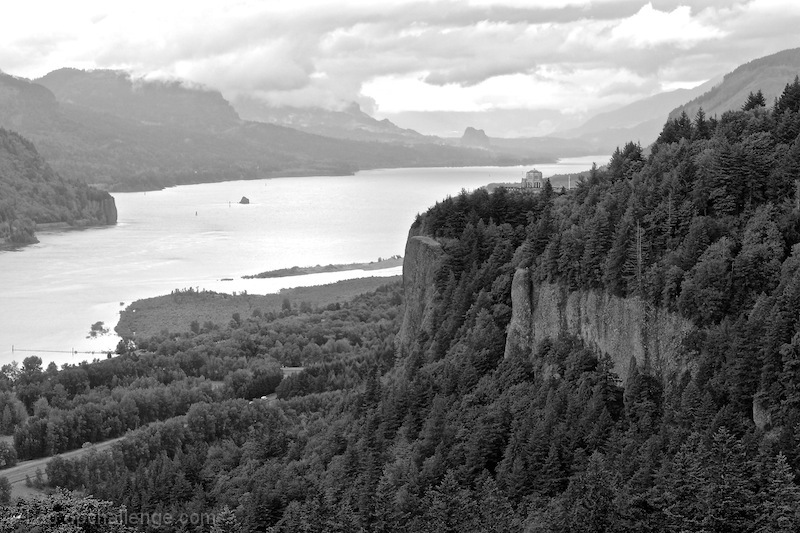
{"x":452,"y":433}
{"x":31,"y":193}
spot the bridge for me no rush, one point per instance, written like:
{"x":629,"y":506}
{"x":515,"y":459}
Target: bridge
{"x":73,"y":351}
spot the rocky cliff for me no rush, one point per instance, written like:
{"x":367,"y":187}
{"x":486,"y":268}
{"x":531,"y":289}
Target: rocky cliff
{"x":32,"y":195}
{"x":104,"y":209}
{"x":624,"y":329}
{"x":420,"y":263}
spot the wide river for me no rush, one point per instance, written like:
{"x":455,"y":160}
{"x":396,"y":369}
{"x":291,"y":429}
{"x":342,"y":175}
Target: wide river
{"x":198,"y":235}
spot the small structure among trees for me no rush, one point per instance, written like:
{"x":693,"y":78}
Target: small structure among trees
{"x":533,"y":179}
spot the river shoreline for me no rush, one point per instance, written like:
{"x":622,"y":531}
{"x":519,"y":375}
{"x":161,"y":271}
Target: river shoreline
{"x":199,"y":236}
{"x":320,"y":269}
{"x":177,"y":311}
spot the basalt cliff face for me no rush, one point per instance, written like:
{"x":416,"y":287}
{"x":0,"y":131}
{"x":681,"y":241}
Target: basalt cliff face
{"x":420,"y":263}
{"x":107,"y":209}
{"x":624,"y":329}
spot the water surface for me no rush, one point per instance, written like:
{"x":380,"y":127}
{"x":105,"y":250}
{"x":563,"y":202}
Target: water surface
{"x":198,"y":235}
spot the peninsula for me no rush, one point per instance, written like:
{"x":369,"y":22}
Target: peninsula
{"x":175,"y":312}
{"x":394,"y":261}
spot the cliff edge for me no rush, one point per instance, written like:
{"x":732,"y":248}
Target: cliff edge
{"x":624,"y":329}
{"x":32,"y":195}
{"x":420,"y":264}
{"x":106,"y":210}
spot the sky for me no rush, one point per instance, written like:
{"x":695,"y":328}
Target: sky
{"x":555,"y":63}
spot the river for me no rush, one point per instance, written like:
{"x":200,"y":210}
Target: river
{"x":199,"y":235}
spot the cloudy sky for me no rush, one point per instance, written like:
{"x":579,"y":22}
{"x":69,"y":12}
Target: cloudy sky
{"x":554,"y":61}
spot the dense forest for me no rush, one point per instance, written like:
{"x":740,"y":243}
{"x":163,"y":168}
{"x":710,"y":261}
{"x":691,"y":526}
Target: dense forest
{"x":450,"y":434}
{"x":31,"y":193}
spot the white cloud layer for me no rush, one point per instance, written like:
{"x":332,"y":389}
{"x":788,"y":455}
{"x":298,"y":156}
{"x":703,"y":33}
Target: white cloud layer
{"x":470,"y":55}
{"x":650,"y":27}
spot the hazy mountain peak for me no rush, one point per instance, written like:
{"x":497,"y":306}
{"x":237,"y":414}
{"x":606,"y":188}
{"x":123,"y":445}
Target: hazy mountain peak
{"x":350,"y":122}
{"x":770,"y":74}
{"x":116,"y":92}
{"x":22,"y":101}
{"x":640,"y":120}
{"x":475,"y":137}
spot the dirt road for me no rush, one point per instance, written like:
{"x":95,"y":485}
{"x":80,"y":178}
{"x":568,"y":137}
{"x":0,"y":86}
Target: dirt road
{"x":16,"y":474}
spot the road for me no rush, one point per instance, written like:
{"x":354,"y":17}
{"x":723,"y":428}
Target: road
{"x":16,"y":475}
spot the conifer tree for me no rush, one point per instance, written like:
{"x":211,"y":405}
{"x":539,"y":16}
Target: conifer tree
{"x":754,"y":101}
{"x":779,"y":511}
{"x":701,"y":129}
{"x":728,"y":502}
{"x":589,"y":502}
{"x":450,"y":507}
{"x":225,"y":522}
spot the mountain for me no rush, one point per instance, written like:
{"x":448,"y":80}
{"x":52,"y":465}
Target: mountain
{"x":350,"y":123}
{"x":532,"y":149}
{"x":475,"y":138}
{"x":639,"y":121}
{"x":157,"y":103}
{"x":105,"y":127}
{"x":32,"y":194}
{"x":544,"y":148}
{"x":769,"y":74}
{"x":505,"y":123}
{"x":642,"y":120}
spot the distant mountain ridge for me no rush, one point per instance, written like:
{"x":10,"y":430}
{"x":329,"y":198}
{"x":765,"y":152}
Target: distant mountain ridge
{"x":155,"y":102}
{"x":476,"y":138}
{"x":105,"y":127}
{"x":639,"y":121}
{"x":769,"y":74}
{"x":350,"y":123}
{"x":643,"y":120}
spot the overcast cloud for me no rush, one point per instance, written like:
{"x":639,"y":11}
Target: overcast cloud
{"x":398,"y":56}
